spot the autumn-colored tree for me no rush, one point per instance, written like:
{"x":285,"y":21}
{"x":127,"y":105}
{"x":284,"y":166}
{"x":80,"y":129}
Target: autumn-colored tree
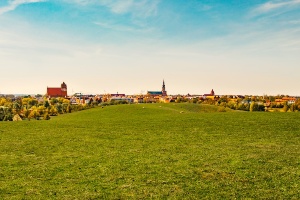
{"x":25,"y":101}
{"x":34,"y":114}
{"x":46,"y":116}
{"x":285,"y":108}
{"x":53,"y":111}
{"x":252,"y":106}
{"x":41,"y":110}
{"x":2,"y":101}
{"x":26,"y":113}
{"x":46,"y":104}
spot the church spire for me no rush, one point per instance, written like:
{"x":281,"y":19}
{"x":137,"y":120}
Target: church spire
{"x":163,"y":90}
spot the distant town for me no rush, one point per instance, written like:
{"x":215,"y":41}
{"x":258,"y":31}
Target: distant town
{"x":156,"y":96}
{"x":56,"y":100}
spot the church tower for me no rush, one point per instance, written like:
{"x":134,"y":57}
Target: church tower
{"x":64,"y":91}
{"x":163,"y":90}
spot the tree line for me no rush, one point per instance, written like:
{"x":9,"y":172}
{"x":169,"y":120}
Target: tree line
{"x":32,"y":108}
{"x":248,"y":103}
{"x":43,"y":108}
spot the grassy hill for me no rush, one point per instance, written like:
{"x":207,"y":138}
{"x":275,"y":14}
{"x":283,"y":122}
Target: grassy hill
{"x":179,"y":151}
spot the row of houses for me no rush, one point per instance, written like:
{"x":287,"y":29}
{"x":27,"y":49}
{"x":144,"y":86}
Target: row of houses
{"x":150,"y":98}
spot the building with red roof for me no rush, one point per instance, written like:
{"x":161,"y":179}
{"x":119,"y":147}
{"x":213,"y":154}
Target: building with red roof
{"x":58,"y":92}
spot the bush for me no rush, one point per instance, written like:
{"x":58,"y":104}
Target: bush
{"x":252,"y":106}
{"x":292,"y":108}
{"x":46,"y":116}
{"x":285,"y":108}
{"x":53,"y":111}
{"x":104,"y":104}
{"x":34,"y":114}
{"x":221,"y":109}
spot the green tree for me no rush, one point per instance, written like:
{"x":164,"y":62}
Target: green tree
{"x":53,"y":101}
{"x":2,"y":113}
{"x":16,"y":108}
{"x":33,"y":102}
{"x":46,"y":104}
{"x":6,"y":114}
{"x":59,"y":108}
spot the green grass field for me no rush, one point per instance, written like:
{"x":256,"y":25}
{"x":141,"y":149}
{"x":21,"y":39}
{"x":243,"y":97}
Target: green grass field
{"x":159,"y":151}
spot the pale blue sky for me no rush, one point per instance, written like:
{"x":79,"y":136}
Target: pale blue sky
{"x":130,"y":46}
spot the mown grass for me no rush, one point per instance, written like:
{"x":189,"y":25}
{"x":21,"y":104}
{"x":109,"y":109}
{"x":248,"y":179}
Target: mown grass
{"x":160,"y":151}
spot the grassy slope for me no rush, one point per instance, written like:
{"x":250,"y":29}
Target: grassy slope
{"x":128,"y":151}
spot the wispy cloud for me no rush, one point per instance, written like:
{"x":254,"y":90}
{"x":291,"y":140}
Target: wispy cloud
{"x":140,"y":8}
{"x":271,"y":6}
{"x":123,"y":28}
{"x":137,"y":9}
{"x":13,"y":4}
{"x":294,"y":22}
{"x":201,"y":7}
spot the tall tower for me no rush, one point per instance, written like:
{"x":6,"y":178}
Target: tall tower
{"x":163,"y":90}
{"x":64,"y":91}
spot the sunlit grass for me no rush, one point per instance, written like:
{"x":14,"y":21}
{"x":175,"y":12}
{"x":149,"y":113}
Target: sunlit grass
{"x":179,"y":151}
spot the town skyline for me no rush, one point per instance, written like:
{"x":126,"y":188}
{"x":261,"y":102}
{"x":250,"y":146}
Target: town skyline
{"x":64,"y":92}
{"x":130,"y":46}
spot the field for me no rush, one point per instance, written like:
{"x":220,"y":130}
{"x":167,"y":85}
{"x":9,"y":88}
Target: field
{"x":160,"y":151}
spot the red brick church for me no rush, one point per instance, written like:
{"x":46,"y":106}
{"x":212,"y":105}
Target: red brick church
{"x":58,"y":92}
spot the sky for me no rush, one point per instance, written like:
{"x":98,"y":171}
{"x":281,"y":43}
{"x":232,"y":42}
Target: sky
{"x":131,"y":46}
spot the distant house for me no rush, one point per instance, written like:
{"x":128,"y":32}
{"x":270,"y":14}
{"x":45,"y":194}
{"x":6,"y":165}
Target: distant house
{"x":289,"y":100}
{"x":57,"y":92}
{"x":109,"y":97}
{"x":118,"y":95}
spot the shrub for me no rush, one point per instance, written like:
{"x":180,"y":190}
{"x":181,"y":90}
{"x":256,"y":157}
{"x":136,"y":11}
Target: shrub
{"x":285,"y":108}
{"x":104,"y":104}
{"x":53,"y":111}
{"x":292,"y":108}
{"x":46,"y":116}
{"x":252,"y":106}
{"x":221,"y":109}
{"x":34,"y":114}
